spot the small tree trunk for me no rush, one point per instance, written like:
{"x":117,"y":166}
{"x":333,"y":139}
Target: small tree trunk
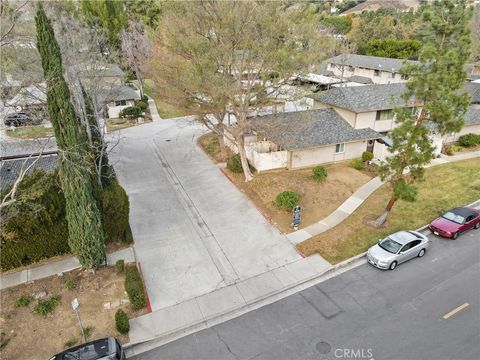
{"x":243,"y":158}
{"x":379,"y":221}
{"x":223,"y":148}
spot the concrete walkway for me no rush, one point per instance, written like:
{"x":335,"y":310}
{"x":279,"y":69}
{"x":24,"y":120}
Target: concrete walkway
{"x":357,"y":198}
{"x":56,"y":267}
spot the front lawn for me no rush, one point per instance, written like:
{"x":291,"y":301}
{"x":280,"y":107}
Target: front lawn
{"x":317,"y":199}
{"x":446,"y":186}
{"x":165,"y":110}
{"x":30,"y":132}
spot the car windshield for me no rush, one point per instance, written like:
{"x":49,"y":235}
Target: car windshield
{"x":390,"y":245}
{"x":454,"y":217}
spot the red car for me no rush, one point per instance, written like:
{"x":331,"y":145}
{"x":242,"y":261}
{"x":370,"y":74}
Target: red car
{"x":455,"y":221}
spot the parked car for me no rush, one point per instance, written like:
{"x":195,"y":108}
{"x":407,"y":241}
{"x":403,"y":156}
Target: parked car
{"x":17,"y":119}
{"x":397,"y":248}
{"x":102,"y":349}
{"x":455,"y":221}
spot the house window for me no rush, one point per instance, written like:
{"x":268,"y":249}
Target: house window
{"x":376,"y":73}
{"x":340,"y":148}
{"x":404,"y":77}
{"x":392,"y":75}
{"x":350,"y":68}
{"x":384,"y":114}
{"x":120,"y":103}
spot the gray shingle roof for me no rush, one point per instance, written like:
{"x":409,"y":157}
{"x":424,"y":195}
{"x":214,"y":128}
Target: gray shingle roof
{"x":308,"y":129}
{"x":368,"y":62}
{"x":10,"y":169}
{"x":378,"y":97}
{"x":472,"y":117}
{"x":365,"y":98}
{"x":118,"y":93}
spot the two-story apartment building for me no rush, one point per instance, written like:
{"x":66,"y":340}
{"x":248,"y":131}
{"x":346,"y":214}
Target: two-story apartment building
{"x":373,"y":107}
{"x":379,"y":70}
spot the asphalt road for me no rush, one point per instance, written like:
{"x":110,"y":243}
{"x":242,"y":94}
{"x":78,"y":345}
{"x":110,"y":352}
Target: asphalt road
{"x":364,"y":313}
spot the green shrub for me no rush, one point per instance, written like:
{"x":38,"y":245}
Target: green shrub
{"x":134,"y":287}
{"x":287,"y":199}
{"x":70,"y":342}
{"x":357,"y":164}
{"x":87,"y":331}
{"x":4,"y":340}
{"x":456,"y":148}
{"x":22,"y":301}
{"x":115,"y":210}
{"x":34,"y":227}
{"x":131,"y":112}
{"x":45,"y":307}
{"x":121,"y":322}
{"x":120,"y":266}
{"x":70,"y":284}
{"x":319,"y":173}
{"x":469,"y":140}
{"x":234,"y":164}
{"x":145,"y":99}
{"x":367,"y":156}
{"x":142,"y":105}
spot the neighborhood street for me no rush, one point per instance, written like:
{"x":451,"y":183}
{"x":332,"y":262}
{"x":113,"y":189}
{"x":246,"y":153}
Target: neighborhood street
{"x":427,"y":308}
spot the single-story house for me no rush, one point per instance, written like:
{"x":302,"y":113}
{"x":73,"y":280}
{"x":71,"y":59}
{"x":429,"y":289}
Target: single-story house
{"x":118,"y":98}
{"x":108,"y":74}
{"x":379,"y":70}
{"x":32,"y":100}
{"x":294,"y":140}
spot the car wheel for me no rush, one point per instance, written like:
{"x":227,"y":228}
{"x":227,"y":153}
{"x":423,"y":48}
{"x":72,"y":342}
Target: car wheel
{"x":421,"y":253}
{"x":455,"y":236}
{"x":393,"y":265}
{"x":477,"y":225}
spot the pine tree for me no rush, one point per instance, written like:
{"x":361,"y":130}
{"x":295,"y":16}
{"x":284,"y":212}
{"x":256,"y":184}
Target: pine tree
{"x":86,"y":237}
{"x":434,"y":85}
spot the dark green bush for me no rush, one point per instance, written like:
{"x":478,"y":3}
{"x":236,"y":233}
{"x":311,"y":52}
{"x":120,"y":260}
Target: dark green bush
{"x":34,"y":227}
{"x":142,"y":105}
{"x":121,"y":322}
{"x":120,"y":266}
{"x":145,"y":99}
{"x":134,"y":287}
{"x":234,"y":164}
{"x":45,"y":307}
{"x":319,"y":173}
{"x":115,"y":210}
{"x":22,"y":301}
{"x":287,"y":199}
{"x":357,"y":164}
{"x":469,"y":140}
{"x":367,"y":156}
{"x":131,"y":112}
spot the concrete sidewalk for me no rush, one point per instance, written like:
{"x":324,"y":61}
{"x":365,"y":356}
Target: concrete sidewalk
{"x":357,"y":198}
{"x":56,"y":267}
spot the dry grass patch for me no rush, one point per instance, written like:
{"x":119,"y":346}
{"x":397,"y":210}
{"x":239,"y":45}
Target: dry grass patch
{"x":446,"y":186}
{"x":209,"y":143}
{"x":33,"y":336}
{"x":30,"y":132}
{"x":317,"y":199}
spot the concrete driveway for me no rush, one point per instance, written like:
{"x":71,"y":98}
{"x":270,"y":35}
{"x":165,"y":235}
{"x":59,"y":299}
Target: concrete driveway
{"x":194,"y":231}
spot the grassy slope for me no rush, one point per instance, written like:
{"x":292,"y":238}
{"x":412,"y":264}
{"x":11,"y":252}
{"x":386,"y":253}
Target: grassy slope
{"x":30,"y":132}
{"x":445,"y":186}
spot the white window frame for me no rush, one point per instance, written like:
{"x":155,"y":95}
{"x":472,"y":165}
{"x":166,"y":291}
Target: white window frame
{"x":341,"y":147}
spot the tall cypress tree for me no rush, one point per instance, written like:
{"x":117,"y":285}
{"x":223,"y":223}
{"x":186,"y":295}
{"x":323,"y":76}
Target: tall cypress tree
{"x":86,"y":237}
{"x":435,"y":84}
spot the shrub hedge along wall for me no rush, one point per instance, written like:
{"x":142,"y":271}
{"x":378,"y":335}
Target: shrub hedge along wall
{"x":134,"y":287}
{"x":34,"y":227}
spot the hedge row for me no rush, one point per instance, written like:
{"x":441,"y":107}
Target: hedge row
{"x":134,"y":287}
{"x":34,"y":227}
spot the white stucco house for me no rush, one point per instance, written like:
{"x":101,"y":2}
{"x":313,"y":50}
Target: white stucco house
{"x":118,"y":98}
{"x":294,"y":140}
{"x":365,"y":69}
